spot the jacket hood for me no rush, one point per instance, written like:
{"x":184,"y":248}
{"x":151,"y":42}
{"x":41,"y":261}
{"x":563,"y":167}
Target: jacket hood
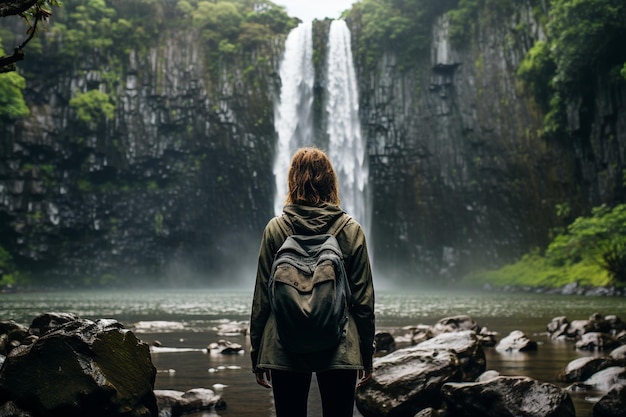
{"x":312,"y":219}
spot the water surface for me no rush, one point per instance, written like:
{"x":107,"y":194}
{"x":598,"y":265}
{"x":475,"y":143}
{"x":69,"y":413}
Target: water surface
{"x":187,"y":320}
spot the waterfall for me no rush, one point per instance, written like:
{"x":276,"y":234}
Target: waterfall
{"x":293,"y":116}
{"x":347,"y":149}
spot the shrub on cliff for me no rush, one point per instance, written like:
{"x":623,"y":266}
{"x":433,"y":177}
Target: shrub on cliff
{"x":12,"y":104}
{"x":584,"y":38}
{"x":591,"y":251}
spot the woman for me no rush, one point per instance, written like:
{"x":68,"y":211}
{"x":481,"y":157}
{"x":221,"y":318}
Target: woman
{"x":312,"y":207}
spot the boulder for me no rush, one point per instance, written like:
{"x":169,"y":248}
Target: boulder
{"x":408,"y":380}
{"x":557,"y":326}
{"x":10,"y":409}
{"x":617,"y":325}
{"x":225,"y":347}
{"x":619,"y":353}
{"x":577,"y":328}
{"x":596,"y":341}
{"x":487,"y":338}
{"x":583,"y":368}
{"x":80,"y":368}
{"x":607,"y":378}
{"x":507,"y":397}
{"x":487,"y":375}
{"x":11,"y":336}
{"x":598,"y":323}
{"x":45,"y":322}
{"x":385,"y":342}
{"x":176,"y":403}
{"x":455,"y":324}
{"x":516,"y":341}
{"x":613,"y":404}
{"x":466,"y":346}
{"x":421,"y":333}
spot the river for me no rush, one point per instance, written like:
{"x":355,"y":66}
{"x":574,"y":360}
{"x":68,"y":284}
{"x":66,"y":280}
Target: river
{"x":187,"y":321}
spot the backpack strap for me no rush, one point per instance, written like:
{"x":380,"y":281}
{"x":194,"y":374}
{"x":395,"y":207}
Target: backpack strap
{"x":339,"y":224}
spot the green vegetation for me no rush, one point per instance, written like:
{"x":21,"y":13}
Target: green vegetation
{"x":12,"y":104}
{"x":399,"y":26}
{"x":585,"y":38}
{"x":93,"y":106}
{"x":32,"y":13}
{"x":404,"y":26}
{"x":591,"y":252}
{"x":536,"y":72}
{"x":463,"y":20}
{"x":231,"y":32}
{"x":8,"y":273}
{"x":465,"y":17}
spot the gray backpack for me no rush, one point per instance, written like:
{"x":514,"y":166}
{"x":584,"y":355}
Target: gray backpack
{"x":309,"y":290}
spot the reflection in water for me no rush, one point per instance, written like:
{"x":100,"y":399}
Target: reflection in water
{"x":186,"y":322}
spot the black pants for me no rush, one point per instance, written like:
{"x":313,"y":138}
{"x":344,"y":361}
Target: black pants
{"x":291,"y":392}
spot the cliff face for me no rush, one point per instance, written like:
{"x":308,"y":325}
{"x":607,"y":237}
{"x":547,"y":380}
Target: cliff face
{"x":179,"y":182}
{"x":461,"y":178}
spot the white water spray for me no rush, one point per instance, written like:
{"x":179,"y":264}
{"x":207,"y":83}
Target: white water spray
{"x":347,"y":149}
{"x":293,"y":117}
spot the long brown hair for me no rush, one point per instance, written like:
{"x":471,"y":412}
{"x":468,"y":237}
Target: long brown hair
{"x":312,"y":179}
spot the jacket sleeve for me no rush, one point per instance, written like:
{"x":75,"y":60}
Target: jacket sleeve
{"x":361,"y":284}
{"x":260,"y":302}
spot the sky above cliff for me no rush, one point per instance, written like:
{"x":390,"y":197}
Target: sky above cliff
{"x":308,"y":10}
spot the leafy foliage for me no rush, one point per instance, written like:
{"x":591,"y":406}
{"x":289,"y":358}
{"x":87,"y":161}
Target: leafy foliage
{"x":463,"y":19}
{"x":599,"y":239}
{"x":7,"y":268}
{"x":33,"y":13}
{"x":586,"y":34}
{"x":12,"y":104}
{"x":585,"y":37}
{"x":536,"y":72}
{"x":399,"y":26}
{"x":592,"y":251}
{"x":230,"y":29}
{"x":93,"y":106}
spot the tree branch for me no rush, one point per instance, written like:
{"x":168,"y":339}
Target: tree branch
{"x":7,"y":63}
{"x":15,"y":7}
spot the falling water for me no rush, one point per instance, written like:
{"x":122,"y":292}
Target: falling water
{"x":293,"y":115}
{"x":347,"y":149}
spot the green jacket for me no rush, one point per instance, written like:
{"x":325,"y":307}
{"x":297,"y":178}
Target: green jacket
{"x":356,"y":350}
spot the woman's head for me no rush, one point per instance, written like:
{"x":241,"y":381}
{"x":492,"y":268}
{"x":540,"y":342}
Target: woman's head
{"x":311,"y":178}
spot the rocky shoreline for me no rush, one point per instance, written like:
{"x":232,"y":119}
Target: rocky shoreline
{"x":63,"y":365}
{"x":66,"y":366}
{"x":573,"y":288}
{"x":441,"y":371}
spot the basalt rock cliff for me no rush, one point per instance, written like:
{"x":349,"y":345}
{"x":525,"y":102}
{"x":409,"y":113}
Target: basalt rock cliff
{"x":179,"y":184}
